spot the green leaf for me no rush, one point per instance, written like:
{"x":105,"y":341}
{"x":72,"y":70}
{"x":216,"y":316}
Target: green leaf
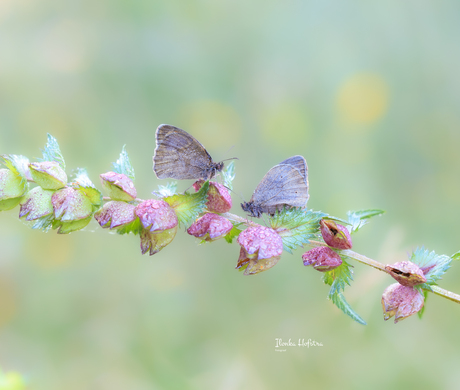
{"x":51,"y":152}
{"x":357,"y":219}
{"x":189,"y":206}
{"x":296,"y":226}
{"x":339,"y":300}
{"x":85,"y":185}
{"x":432,"y":265}
{"x":44,"y":223}
{"x":232,"y":234}
{"x":339,"y":277}
{"x":123,"y":164}
{"x":229,"y":175}
{"x":422,"y":310}
{"x":167,"y":190}
{"x":456,"y":256}
{"x":133,"y":227}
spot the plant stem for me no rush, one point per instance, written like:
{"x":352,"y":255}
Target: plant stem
{"x":375,"y":264}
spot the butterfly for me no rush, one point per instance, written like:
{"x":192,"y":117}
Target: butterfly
{"x":180,"y":156}
{"x":286,"y":184}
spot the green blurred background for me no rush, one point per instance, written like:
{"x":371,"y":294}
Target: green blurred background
{"x":368,"y":92}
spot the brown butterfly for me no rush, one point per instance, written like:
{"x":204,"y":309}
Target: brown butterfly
{"x":180,"y":156}
{"x":286,"y":184}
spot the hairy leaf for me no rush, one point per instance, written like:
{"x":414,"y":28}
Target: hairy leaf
{"x":339,"y":277}
{"x":422,"y":310}
{"x":357,"y":219}
{"x":123,"y":164}
{"x":51,"y":152}
{"x":339,"y":300}
{"x":229,"y":175}
{"x":188,"y":206}
{"x":432,"y":265}
{"x":296,"y":226}
{"x":44,"y":223}
{"x":167,"y":190}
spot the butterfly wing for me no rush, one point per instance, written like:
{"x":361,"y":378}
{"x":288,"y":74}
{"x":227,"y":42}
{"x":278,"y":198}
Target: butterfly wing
{"x":282,"y":185}
{"x":299,"y":163}
{"x":178,"y":155}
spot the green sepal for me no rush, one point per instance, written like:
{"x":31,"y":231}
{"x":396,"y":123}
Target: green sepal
{"x":432,"y":265}
{"x":123,"y":164}
{"x":296,"y":226}
{"x":82,"y":182}
{"x":455,"y":256}
{"x":339,"y":300}
{"x":232,"y":234}
{"x":51,"y":152}
{"x":188,"y":206}
{"x":132,"y":227}
{"x":422,"y":310}
{"x":9,"y":204}
{"x":228,"y":175}
{"x":357,"y":219}
{"x":68,"y":227}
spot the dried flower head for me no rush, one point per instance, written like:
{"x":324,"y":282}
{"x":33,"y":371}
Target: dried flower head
{"x":219,"y":199}
{"x":261,"y":248}
{"x":210,"y":227}
{"x":322,"y":259}
{"x":335,"y":235}
{"x":401,"y":302}
{"x":406,"y":273}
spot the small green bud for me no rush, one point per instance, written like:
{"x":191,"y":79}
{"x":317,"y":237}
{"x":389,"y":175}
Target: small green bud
{"x":119,"y":186}
{"x":12,"y":188}
{"x":48,"y":175}
{"x":72,"y":210}
{"x":36,"y":204}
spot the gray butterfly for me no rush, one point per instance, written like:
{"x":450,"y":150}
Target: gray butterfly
{"x":180,"y":156}
{"x":286,"y":184}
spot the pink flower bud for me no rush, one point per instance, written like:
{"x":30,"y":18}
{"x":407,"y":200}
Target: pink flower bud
{"x":48,"y":175}
{"x":219,"y":199}
{"x":322,"y":259}
{"x":160,"y":225}
{"x":210,"y":227}
{"x":119,"y":186}
{"x":156,"y":215}
{"x":335,"y":235}
{"x":406,"y":273}
{"x":401,"y":302}
{"x":261,"y":248}
{"x":115,"y":214}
